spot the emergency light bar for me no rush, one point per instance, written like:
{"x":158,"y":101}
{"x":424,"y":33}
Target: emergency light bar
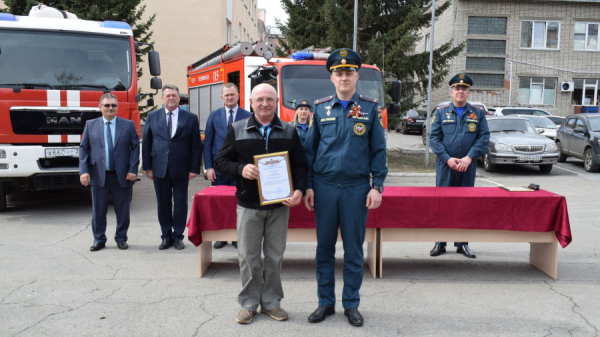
{"x":299,"y":55}
{"x":7,"y":17}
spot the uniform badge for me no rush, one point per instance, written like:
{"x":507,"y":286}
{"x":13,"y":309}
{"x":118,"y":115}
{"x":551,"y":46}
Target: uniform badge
{"x":473,"y":115}
{"x":359,"y":129}
{"x":380,"y":117}
{"x":432,"y":119}
{"x":448,"y":115}
{"x":328,"y":110}
{"x":472,"y":127}
{"x":343,"y":53}
{"x":355,"y":111}
{"x":461,"y":76}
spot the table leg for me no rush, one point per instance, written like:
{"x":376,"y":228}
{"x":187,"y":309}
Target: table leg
{"x":372,"y":257}
{"x":544,"y":256}
{"x":379,"y":241}
{"x":205,"y":251}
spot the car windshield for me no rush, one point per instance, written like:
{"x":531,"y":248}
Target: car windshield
{"x":312,"y":82}
{"x":556,"y":120}
{"x":61,"y":60}
{"x":412,"y":113}
{"x":594,"y":124}
{"x":511,"y":124}
{"x":542,"y":122}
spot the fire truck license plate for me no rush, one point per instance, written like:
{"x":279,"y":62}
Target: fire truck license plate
{"x":66,"y":152}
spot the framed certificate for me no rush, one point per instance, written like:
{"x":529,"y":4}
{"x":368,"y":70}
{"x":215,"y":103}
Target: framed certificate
{"x":275,"y":177}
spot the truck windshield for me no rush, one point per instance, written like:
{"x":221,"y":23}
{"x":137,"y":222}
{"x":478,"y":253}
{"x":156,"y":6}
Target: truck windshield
{"x":59,"y":60}
{"x":312,"y":82}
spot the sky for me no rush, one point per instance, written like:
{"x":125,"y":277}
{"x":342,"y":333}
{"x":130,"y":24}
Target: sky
{"x":274,"y":11}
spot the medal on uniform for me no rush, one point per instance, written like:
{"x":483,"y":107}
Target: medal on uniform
{"x":355,"y":111}
{"x":448,"y":115}
{"x":328,"y":110}
{"x":473,"y":115}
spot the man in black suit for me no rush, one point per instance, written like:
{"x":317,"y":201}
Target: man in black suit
{"x":171,"y":153}
{"x":109,"y":155}
{"x":214,"y":135}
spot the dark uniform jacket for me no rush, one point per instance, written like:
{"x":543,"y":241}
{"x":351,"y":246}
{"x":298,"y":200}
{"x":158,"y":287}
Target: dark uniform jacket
{"x":454,"y":136}
{"x":243,"y":141}
{"x":345,"y":151}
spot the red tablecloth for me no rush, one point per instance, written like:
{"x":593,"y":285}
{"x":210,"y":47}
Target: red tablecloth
{"x":414,"y":207}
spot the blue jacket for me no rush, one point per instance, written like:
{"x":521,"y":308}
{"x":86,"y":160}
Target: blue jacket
{"x":126,"y":151}
{"x":302,"y":132}
{"x":180,"y":154}
{"x":342,"y":150}
{"x":454,"y":136}
{"x":216,"y":129}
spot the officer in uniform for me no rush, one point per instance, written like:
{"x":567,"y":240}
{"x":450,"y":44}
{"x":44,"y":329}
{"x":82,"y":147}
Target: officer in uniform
{"x":459,"y":135}
{"x":302,"y":120}
{"x":344,"y":147}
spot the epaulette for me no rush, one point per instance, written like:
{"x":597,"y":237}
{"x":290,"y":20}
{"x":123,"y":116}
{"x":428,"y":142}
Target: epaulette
{"x":442,"y":107}
{"x":476,"y":107}
{"x":368,"y":99}
{"x":323,"y":100}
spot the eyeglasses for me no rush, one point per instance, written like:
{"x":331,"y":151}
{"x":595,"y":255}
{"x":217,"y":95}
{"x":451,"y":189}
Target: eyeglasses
{"x":109,"y":105}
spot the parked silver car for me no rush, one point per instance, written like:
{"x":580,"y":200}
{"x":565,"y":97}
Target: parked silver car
{"x":543,"y":124}
{"x":515,"y":141}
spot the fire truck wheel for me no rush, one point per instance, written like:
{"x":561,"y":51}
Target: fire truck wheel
{"x":2,"y":198}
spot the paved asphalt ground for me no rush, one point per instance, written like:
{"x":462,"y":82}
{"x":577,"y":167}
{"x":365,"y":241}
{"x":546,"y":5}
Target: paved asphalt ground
{"x":52,"y":285}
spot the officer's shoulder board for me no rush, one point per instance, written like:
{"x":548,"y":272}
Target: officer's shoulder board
{"x":443,"y":106}
{"x":476,"y":107}
{"x":368,"y":99}
{"x":323,"y":100}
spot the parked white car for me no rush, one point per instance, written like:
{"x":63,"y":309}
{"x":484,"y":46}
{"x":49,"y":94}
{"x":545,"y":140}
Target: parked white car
{"x":543,"y":124}
{"x":517,"y":110}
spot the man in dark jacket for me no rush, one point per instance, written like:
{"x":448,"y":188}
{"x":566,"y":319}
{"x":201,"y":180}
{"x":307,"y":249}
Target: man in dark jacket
{"x":261,"y":225}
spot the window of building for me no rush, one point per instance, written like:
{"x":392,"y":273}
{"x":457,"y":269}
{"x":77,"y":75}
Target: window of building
{"x":587,"y":91}
{"x":486,"y":25}
{"x":537,"y":90}
{"x":487,"y":80}
{"x":494,"y":47}
{"x":228,"y":33}
{"x":427,"y":42}
{"x":485,"y":63}
{"x":240,"y":36}
{"x":586,"y":36}
{"x":540,"y":34}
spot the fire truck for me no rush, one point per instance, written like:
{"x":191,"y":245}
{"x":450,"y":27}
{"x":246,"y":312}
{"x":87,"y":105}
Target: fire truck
{"x":303,"y":75}
{"x":54,"y":68}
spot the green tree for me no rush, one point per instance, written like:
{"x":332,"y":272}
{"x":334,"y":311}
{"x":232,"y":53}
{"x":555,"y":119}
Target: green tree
{"x":130,"y":11}
{"x":387,"y":33}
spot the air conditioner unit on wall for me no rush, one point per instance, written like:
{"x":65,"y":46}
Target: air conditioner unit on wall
{"x":567,"y":86}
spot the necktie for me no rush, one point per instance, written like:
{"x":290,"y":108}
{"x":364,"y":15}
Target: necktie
{"x":169,"y":125}
{"x":111,"y":158}
{"x":230,"y":120}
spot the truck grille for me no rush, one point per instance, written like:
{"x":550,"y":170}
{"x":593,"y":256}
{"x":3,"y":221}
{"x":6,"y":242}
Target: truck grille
{"x":56,"y":181}
{"x":528,"y":148}
{"x":51,"y":121}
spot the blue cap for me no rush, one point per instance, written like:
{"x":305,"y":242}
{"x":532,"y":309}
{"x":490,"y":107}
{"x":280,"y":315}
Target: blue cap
{"x":461,"y":79}
{"x":303,"y":102}
{"x":343,"y":59}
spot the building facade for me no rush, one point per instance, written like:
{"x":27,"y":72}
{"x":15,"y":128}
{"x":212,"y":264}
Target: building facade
{"x":543,"y":54}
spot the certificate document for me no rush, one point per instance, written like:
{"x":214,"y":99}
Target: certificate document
{"x":275,"y":178}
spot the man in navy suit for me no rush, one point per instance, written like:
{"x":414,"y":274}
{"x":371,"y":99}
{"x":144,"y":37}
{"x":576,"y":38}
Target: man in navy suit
{"x":109,"y":156}
{"x":214,"y":135}
{"x":171,"y":153}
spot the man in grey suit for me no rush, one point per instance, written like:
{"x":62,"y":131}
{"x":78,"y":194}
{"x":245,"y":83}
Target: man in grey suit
{"x":171,"y":154}
{"x":108,"y":161}
{"x":217,"y":124}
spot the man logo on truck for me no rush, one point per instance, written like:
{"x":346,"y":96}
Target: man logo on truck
{"x":63,"y":120}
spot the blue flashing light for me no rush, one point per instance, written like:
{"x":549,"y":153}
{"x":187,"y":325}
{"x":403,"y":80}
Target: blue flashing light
{"x":7,"y":17}
{"x":116,"y":24}
{"x":303,"y":56}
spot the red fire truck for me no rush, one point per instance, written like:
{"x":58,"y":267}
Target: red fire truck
{"x":54,"y":68}
{"x":301,"y":76}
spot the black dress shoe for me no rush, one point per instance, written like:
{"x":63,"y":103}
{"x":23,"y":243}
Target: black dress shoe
{"x":234,"y":243}
{"x":178,"y":244}
{"x":466,"y":251}
{"x":438,"y":249}
{"x":122,"y":245}
{"x":354,"y":317}
{"x":166,"y":243}
{"x":97,"y":246}
{"x":320,"y":314}
{"x":220,"y":244}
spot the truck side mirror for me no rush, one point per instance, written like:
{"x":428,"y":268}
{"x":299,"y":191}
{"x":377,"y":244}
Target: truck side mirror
{"x":154,"y":63}
{"x":396,"y":91}
{"x":156,"y":83}
{"x":394,"y":109}
{"x":255,"y":80}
